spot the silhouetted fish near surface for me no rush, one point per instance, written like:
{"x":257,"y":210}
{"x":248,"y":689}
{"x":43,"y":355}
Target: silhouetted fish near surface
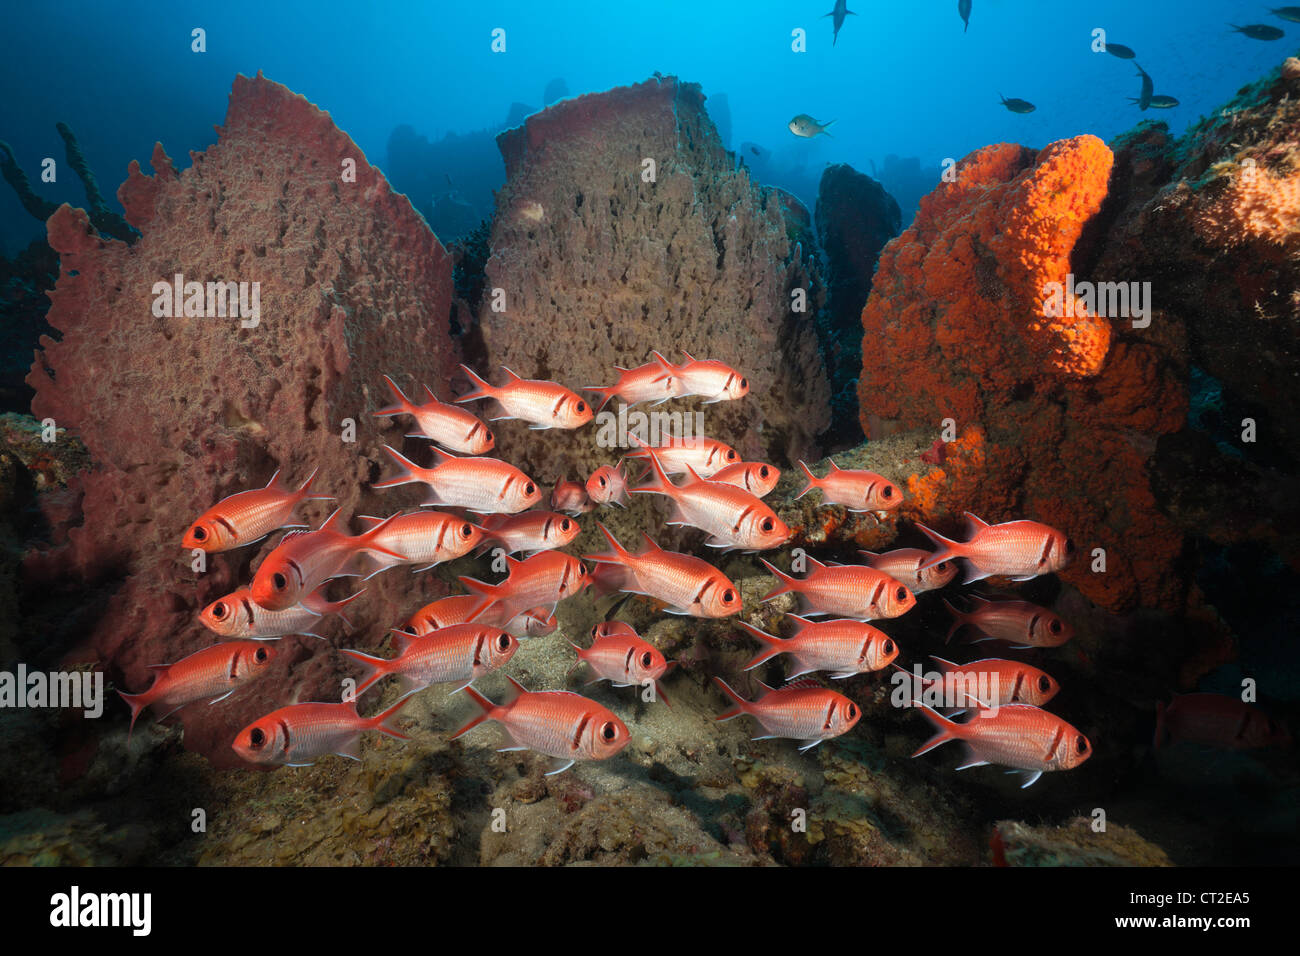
{"x":1259,"y":31}
{"x":1018,"y":106}
{"x":807,"y":127}
{"x":963,"y":11}
{"x":1120,"y":50}
{"x":842,"y":11}
{"x":1144,"y":98}
{"x":1287,"y":13}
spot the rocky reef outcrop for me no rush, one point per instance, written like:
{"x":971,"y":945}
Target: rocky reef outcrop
{"x":180,"y":410}
{"x":623,"y":227}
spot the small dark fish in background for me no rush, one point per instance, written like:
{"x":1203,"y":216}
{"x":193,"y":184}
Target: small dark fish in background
{"x":963,"y":11}
{"x":1162,"y":102}
{"x":1148,"y":88}
{"x":1018,"y":106}
{"x":1259,"y":31}
{"x":1287,"y":13}
{"x":1120,"y":50}
{"x":840,"y":12}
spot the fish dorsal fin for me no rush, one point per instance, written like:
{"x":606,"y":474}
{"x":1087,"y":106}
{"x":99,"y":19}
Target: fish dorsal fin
{"x":434,"y":399}
{"x":441,"y":456}
{"x":650,"y":542}
{"x":517,"y":690}
{"x":834,"y":467}
{"x":274,"y":478}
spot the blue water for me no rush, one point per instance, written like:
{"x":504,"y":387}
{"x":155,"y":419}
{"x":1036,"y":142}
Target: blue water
{"x":902,"y":78}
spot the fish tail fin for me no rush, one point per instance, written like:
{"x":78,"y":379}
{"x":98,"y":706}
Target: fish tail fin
{"x":481,"y":388}
{"x":660,"y":483}
{"x":812,"y":480}
{"x":948,"y":549}
{"x":408,"y":471}
{"x":958,"y":619}
{"x":742,"y":705}
{"x":947,"y":730}
{"x":491,"y":593}
{"x":375,"y":669}
{"x":317,"y":603}
{"x":304,"y":491}
{"x":772,"y":645}
{"x":366,"y":541}
{"x":785,"y":583}
{"x":403,"y":403}
{"x":485,"y":708}
{"x":381,"y":721}
{"x":606,"y":393}
{"x":137,"y":703}
{"x":619,"y":554}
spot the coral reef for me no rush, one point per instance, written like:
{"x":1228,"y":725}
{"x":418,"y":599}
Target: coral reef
{"x":1065,"y":408}
{"x":855,"y":218}
{"x":178,"y":412}
{"x":1075,"y":843}
{"x":600,"y":262}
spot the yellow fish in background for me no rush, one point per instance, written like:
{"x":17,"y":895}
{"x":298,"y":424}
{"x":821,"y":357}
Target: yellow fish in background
{"x":807,"y":127}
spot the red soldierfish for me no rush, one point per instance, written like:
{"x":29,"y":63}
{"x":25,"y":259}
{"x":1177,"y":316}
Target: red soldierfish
{"x":1015,"y":622}
{"x":304,"y":560}
{"x":715,"y":381}
{"x":622,"y":656}
{"x":297,"y":735}
{"x":459,"y":608}
{"x":706,"y":455}
{"x":557,"y":723}
{"x":754,"y":476}
{"x":803,"y":710}
{"x":685,"y":583}
{"x":237,"y":615}
{"x":543,"y":580}
{"x":455,"y":654}
{"x":904,"y":565}
{"x":1216,"y":720}
{"x":731,"y":516}
{"x":529,"y":531}
{"x":607,"y":486}
{"x":653,"y":382}
{"x":448,"y":425}
{"x":214,"y":672}
{"x":1019,"y":736}
{"x":847,"y":589}
{"x":856,"y":490}
{"x":484,"y":485}
{"x":992,"y":682}
{"x":571,"y":497}
{"x":1014,"y":549}
{"x":842,"y":647}
{"x":427,"y":538}
{"x":248,"y":516}
{"x":541,"y":404}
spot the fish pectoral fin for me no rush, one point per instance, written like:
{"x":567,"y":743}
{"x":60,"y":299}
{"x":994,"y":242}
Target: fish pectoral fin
{"x":565,"y":766}
{"x":976,"y":763}
{"x":351,"y":747}
{"x":764,"y":737}
{"x":504,"y":750}
{"x":217,"y":700}
{"x":1031,"y":777}
{"x":808,"y":744}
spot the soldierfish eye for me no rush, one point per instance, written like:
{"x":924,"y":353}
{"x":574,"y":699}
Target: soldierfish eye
{"x":581,"y":407}
{"x":199,"y":532}
{"x":503,"y":642}
{"x":763,"y":471}
{"x":279,"y":581}
{"x":851,"y":710}
{"x":744,"y":383}
{"x":1044,"y":683}
{"x":941,"y":566}
{"x":219,"y":610}
{"x":608,"y":730}
{"x":466,"y":530}
{"x":256,"y":738}
{"x":889,"y":646}
{"x":646,"y":659}
{"x":728,"y":596}
{"x":901,"y":594}
{"x":1055,"y":626}
{"x":565,"y":525}
{"x":767,"y":524}
{"x":731,"y":454}
{"x":887,"y":493}
{"x":1081,"y":744}
{"x":260,"y":655}
{"x":529,"y":488}
{"x":602,"y":481}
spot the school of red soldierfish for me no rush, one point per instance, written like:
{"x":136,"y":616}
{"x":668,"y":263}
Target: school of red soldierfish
{"x":460,"y":638}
